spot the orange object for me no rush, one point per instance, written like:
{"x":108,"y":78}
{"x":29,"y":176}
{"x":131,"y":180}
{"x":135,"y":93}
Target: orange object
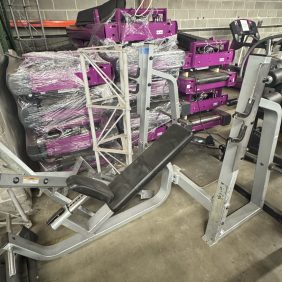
{"x":47,"y":24}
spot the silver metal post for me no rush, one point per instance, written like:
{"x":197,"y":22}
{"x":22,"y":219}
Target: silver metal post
{"x":42,"y":25}
{"x":252,"y":88}
{"x":90,"y":111}
{"x":268,"y":142}
{"x":144,"y":96}
{"x":18,"y":206}
{"x":15,"y":24}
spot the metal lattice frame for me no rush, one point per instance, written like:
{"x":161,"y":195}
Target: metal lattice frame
{"x":35,"y":35}
{"x":119,"y":105}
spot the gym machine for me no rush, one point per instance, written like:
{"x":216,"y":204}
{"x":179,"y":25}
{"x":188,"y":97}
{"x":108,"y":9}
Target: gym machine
{"x":112,"y":21}
{"x":115,"y":195}
{"x":203,"y":77}
{"x":245,"y":34}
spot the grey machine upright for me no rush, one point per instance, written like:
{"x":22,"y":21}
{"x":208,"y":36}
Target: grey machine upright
{"x":115,"y":213}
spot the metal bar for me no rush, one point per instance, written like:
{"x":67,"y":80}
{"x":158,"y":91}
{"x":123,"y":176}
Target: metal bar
{"x":41,"y":22}
{"x":195,"y":191}
{"x":107,"y":80}
{"x":100,"y":139}
{"x":28,"y":181}
{"x":30,"y":249}
{"x":111,"y":138}
{"x":117,"y":160}
{"x":105,"y":107}
{"x":90,"y":110}
{"x":173,"y":94}
{"x":268,"y":142}
{"x":127,"y":139}
{"x":267,"y":207}
{"x":18,"y":206}
{"x":235,"y":220}
{"x":144,"y":95}
{"x":14,"y":21}
{"x":253,"y":86}
{"x":114,"y":151}
{"x":111,"y":165}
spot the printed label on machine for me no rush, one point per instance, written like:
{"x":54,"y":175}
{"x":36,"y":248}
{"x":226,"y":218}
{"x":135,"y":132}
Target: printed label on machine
{"x":221,"y":59}
{"x":244,"y":25}
{"x":30,"y":180}
{"x":159,"y":31}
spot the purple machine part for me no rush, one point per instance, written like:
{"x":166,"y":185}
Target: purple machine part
{"x":197,"y":57}
{"x":61,"y":120}
{"x":123,"y":26}
{"x":60,"y":144}
{"x":193,"y":85}
{"x":61,"y":82}
{"x":203,"y":95}
{"x":202,"y":83}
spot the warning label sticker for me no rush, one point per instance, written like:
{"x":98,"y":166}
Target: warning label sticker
{"x":30,"y":180}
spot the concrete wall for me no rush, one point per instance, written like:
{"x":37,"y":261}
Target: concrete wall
{"x":202,"y":14}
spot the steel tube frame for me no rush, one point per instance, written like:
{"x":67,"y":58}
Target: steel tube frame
{"x":107,"y":223}
{"x":123,"y":105}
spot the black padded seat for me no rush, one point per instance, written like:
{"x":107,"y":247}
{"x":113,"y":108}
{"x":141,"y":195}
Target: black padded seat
{"x":141,"y":171}
{"x":90,"y":187}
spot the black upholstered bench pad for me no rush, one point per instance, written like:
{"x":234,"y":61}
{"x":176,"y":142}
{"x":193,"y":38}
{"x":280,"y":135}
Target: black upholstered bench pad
{"x":147,"y":165}
{"x":90,"y":187}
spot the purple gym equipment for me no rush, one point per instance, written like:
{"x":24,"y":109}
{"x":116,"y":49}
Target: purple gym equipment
{"x":49,"y":71}
{"x":204,"y":76}
{"x":123,"y":25}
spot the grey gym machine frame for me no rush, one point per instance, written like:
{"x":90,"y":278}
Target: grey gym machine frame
{"x":147,"y":72}
{"x":220,"y":223}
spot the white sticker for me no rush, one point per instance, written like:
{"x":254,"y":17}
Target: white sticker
{"x":30,"y":180}
{"x":244,"y":25}
{"x":188,"y":86}
{"x":159,"y":133}
{"x":221,"y":59}
{"x":160,"y":31}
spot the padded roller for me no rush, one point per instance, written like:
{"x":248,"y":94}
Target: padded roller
{"x":206,"y":76}
{"x":90,"y":187}
{"x":273,"y":96}
{"x":276,"y":76}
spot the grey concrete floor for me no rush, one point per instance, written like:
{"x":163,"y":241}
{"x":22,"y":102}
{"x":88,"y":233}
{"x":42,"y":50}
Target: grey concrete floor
{"x":166,"y":244}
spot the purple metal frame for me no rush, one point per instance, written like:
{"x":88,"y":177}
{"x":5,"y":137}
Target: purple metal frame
{"x":189,"y":85}
{"x":207,"y":104}
{"x":193,"y":59}
{"x":67,"y":83}
{"x":119,"y":30}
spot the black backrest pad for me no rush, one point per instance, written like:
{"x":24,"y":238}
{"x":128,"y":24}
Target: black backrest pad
{"x":185,"y":39}
{"x":105,"y":11}
{"x":147,"y":165}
